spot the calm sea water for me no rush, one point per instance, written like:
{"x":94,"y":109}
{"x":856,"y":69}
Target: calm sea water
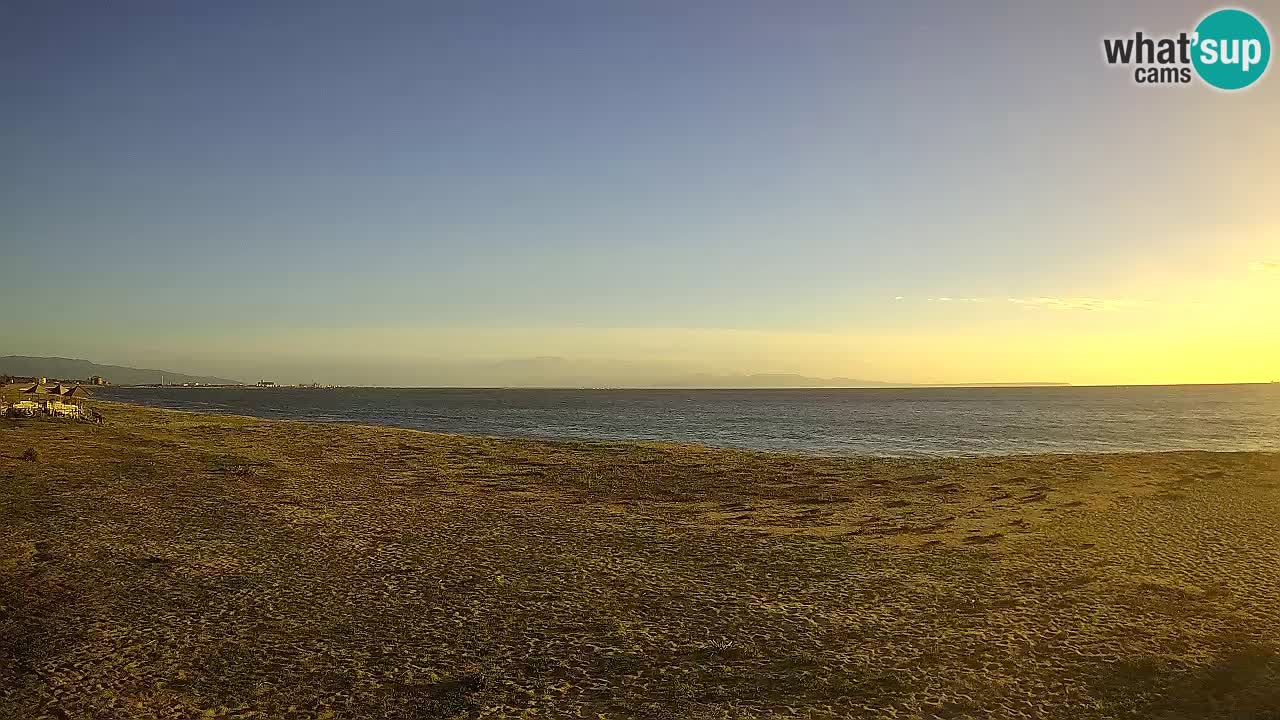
{"x":924,"y":421}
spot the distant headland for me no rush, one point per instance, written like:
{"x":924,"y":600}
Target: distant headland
{"x":70,"y":368}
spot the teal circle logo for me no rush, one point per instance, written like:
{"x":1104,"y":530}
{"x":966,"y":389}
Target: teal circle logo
{"x":1232,"y":49}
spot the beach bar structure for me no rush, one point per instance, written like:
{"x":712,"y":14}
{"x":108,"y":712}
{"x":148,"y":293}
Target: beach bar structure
{"x":58,"y":401}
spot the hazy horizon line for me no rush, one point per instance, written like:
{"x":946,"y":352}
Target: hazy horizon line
{"x":886,"y":386}
{"x":691,"y":380}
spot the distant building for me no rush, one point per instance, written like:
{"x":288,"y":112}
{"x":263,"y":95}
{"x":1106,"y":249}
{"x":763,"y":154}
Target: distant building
{"x":266,"y":383}
{"x":98,"y":380}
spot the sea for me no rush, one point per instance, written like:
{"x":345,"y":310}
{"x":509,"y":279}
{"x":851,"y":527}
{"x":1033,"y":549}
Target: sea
{"x":881,"y":422}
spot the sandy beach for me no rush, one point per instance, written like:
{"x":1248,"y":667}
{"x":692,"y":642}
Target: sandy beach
{"x":174,"y":565}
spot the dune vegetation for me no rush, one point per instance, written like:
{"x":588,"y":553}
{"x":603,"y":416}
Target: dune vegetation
{"x":174,"y":565}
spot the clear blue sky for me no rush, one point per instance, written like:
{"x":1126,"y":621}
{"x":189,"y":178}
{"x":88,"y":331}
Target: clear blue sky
{"x":340,"y":192}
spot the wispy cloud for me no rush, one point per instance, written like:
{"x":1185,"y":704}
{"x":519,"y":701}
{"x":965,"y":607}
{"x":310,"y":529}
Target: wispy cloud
{"x":1053,"y":303}
{"x":1079,"y":303}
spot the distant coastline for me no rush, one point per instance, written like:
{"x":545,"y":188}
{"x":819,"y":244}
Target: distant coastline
{"x":72,"y":370}
{"x":76,"y":369}
{"x":540,"y":373}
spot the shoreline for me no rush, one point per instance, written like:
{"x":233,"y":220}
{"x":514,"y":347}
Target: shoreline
{"x":598,"y":439}
{"x":172,"y":563}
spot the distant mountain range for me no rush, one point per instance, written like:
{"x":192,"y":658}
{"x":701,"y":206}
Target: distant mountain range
{"x":551,"y":372}
{"x":792,"y":380}
{"x":71,"y":369}
{"x":562,"y":372}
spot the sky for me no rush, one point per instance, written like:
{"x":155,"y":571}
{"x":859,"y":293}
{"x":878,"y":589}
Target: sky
{"x":416,"y":193}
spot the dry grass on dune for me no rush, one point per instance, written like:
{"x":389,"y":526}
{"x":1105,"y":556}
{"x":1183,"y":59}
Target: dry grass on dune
{"x":173,"y":565}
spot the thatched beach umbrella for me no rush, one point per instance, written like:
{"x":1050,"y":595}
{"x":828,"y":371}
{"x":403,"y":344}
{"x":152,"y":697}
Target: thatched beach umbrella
{"x":76,"y":394}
